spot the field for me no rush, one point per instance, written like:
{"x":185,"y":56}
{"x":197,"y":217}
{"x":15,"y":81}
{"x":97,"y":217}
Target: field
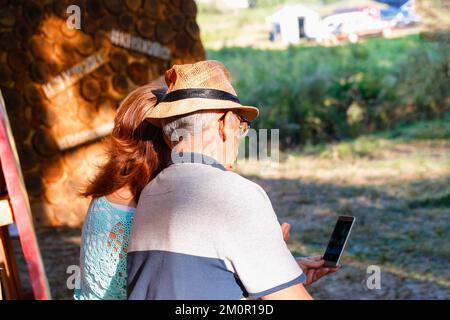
{"x":366,"y":132}
{"x":247,"y":27}
{"x":396,"y":183}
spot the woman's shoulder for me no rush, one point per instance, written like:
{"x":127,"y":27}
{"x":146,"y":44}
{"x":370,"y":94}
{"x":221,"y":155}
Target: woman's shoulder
{"x":98,"y":204}
{"x":103,"y":207}
{"x":101,"y":210}
{"x":102,"y":216}
{"x":122,"y":197}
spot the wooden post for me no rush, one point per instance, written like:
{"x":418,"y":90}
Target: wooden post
{"x":9,"y":277}
{"x":20,"y":207}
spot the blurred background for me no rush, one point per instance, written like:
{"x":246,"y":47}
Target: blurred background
{"x":360,"y":91}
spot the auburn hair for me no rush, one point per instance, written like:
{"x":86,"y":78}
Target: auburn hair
{"x":136,"y":151}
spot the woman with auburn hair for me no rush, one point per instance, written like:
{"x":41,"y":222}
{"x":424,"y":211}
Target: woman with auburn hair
{"x":136,"y":154}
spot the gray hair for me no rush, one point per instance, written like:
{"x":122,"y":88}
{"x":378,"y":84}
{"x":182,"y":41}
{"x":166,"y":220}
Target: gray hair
{"x":187,"y":125}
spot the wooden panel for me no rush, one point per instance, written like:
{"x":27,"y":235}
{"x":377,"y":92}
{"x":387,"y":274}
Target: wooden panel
{"x":6,"y":216}
{"x":8,"y":269}
{"x":3,"y":190}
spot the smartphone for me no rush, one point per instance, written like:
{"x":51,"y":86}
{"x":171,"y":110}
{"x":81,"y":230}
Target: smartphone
{"x":338,"y":240}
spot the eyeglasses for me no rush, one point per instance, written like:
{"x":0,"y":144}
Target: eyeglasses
{"x":244,"y":126}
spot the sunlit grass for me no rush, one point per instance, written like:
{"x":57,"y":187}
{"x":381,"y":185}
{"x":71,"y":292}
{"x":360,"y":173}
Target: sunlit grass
{"x":396,"y":183}
{"x":421,"y":135}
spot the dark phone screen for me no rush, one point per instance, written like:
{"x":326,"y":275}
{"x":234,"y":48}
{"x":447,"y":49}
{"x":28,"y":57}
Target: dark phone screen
{"x":337,"y":241}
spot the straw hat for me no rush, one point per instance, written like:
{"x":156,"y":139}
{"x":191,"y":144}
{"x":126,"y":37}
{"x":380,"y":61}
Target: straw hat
{"x":203,"y":85}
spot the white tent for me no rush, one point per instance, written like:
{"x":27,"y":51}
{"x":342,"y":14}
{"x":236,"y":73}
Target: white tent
{"x":293,"y":22}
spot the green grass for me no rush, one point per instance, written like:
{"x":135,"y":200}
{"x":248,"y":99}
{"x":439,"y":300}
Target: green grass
{"x":366,"y":131}
{"x":317,"y":94}
{"x":436,"y":132}
{"x":397,"y":184}
{"x":320,"y":94}
{"x":436,"y":201}
{"x":219,"y":29}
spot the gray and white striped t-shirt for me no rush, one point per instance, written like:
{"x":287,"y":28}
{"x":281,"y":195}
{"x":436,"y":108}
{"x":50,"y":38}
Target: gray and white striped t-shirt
{"x":201,"y":232}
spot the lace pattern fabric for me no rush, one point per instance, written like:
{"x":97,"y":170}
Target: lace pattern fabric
{"x":104,"y":244}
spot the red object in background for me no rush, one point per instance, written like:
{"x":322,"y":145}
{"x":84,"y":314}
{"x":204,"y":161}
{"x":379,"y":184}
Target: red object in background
{"x":20,"y":205}
{"x":372,"y":11}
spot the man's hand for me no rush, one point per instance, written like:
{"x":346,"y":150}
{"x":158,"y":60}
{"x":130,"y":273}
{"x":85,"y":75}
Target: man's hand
{"x":311,"y":266}
{"x":314,"y":269}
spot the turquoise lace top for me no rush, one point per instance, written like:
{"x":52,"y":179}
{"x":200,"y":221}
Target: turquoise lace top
{"x":103,"y":252}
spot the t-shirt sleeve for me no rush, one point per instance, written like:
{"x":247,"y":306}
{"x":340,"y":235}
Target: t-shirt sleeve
{"x":255,"y":247}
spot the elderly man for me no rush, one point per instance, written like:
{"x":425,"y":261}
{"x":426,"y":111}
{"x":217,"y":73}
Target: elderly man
{"x":201,"y":231}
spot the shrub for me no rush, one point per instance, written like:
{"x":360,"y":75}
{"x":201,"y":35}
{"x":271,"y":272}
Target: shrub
{"x":317,"y":94}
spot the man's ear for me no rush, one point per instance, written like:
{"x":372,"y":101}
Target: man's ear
{"x":226,"y":125}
